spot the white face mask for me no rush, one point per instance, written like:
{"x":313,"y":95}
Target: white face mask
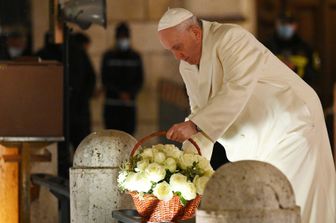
{"x":15,"y":52}
{"x":123,"y":44}
{"x":286,"y":31}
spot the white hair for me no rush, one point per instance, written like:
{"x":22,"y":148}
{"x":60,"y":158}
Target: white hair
{"x":183,"y":26}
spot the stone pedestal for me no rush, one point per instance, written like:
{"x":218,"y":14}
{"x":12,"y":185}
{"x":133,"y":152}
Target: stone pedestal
{"x":248,"y":191}
{"x":93,"y":179}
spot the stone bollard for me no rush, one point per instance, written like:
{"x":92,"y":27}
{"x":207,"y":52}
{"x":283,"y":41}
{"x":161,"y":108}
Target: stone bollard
{"x":93,"y":178}
{"x":248,"y":192}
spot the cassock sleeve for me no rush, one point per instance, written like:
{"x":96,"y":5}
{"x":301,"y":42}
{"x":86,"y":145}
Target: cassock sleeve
{"x":192,"y":103}
{"x":242,"y":58}
{"x":193,"y":106}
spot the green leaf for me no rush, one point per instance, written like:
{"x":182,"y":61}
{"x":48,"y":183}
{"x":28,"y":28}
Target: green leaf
{"x":133,"y":161}
{"x":182,"y":200}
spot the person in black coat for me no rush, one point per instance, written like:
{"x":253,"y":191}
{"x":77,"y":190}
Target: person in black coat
{"x":82,"y":81}
{"x":50,"y":50}
{"x":4,"y":55}
{"x":288,"y":46}
{"x":122,"y":78}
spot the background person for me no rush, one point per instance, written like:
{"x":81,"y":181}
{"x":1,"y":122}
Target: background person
{"x":291,"y":49}
{"x":122,"y":78}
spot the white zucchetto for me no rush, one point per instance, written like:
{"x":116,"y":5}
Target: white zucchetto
{"x":173,"y":17}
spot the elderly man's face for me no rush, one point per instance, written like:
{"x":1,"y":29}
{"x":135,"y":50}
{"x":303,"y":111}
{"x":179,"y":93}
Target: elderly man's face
{"x":184,"y":45}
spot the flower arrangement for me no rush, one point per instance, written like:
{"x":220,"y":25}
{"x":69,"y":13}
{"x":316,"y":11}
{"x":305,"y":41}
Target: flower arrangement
{"x":165,"y":171}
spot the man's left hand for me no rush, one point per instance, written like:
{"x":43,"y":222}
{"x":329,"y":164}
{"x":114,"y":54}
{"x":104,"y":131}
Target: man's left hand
{"x":181,"y":131}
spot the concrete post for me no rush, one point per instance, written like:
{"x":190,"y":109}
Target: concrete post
{"x":93,"y":178}
{"x":248,"y":192}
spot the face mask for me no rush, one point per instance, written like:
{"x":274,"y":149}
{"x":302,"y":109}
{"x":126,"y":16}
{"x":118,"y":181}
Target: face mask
{"x":15,"y":52}
{"x":285,"y":31}
{"x":123,"y":44}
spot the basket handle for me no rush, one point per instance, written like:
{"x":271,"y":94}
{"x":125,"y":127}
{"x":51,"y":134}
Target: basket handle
{"x":159,"y":133}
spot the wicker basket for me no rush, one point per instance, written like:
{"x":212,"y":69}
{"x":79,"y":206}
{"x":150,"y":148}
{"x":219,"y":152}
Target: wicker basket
{"x":155,"y":210}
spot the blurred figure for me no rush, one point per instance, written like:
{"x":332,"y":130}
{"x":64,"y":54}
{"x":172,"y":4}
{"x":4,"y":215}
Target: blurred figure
{"x":288,"y":46}
{"x":122,"y":78}
{"x":299,"y":56}
{"x":13,"y":45}
{"x":4,"y":55}
{"x":50,"y":50}
{"x":82,"y":80}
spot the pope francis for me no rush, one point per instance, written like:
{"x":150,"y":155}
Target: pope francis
{"x":242,"y":96}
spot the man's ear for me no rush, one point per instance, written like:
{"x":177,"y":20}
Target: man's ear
{"x":196,"y":32}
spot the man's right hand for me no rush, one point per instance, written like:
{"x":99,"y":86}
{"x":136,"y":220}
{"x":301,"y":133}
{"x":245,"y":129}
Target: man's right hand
{"x":181,"y":131}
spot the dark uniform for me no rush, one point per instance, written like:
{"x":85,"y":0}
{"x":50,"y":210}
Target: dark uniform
{"x":298,"y":53}
{"x":4,"y":55}
{"x":50,"y":50}
{"x":305,"y":62}
{"x":122,"y":73}
{"x":289,"y":47}
{"x":122,"y":78}
{"x":82,"y":81}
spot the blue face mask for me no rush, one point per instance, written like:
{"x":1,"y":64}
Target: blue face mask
{"x":123,"y":44}
{"x":285,"y":31}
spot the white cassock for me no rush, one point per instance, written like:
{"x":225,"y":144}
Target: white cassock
{"x":246,"y":99}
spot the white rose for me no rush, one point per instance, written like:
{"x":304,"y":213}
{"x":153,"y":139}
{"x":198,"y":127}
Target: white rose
{"x":209,"y":173}
{"x":172,"y":151}
{"x":170,"y":164}
{"x":147,"y":154}
{"x":141,"y":165}
{"x":155,"y":150}
{"x":163,"y":191}
{"x":200,"y":183}
{"x":177,"y":181}
{"x":138,"y":182}
{"x":159,"y":147}
{"x":187,"y":160}
{"x":143,"y":184}
{"x":159,"y":157}
{"x":204,"y":164}
{"x":129,"y":181}
{"x":188,"y":191}
{"x":155,"y":172}
{"x":189,"y":148}
{"x":122,"y":177}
